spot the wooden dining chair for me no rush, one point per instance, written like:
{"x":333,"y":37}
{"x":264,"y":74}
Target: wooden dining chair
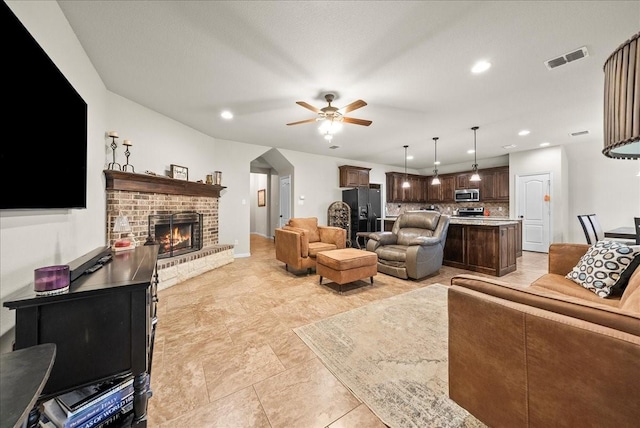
{"x":587,"y":227}
{"x":636,"y":221}
{"x":597,"y":229}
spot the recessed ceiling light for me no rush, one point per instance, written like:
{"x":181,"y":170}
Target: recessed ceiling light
{"x":524,"y":132}
{"x":509,"y":146}
{"x":410,"y":157}
{"x":226,"y":115}
{"x":471,"y":151}
{"x":480,"y":67}
{"x":545,"y":144}
{"x":328,"y":137}
{"x":436,"y":163}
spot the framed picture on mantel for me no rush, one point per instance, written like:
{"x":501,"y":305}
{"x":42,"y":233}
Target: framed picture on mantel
{"x":179,"y":172}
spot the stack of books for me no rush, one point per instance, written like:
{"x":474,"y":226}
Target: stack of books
{"x":95,"y":406}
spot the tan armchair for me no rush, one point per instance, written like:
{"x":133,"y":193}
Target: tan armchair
{"x":301,"y":239}
{"x":415,"y":246}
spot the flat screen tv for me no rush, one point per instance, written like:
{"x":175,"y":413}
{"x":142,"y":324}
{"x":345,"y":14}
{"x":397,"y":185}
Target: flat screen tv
{"x":43,"y":147}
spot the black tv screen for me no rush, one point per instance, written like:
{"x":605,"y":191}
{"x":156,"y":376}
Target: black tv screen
{"x":43,"y":152}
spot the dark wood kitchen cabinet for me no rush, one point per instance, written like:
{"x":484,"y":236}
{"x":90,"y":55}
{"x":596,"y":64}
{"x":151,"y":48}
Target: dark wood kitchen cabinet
{"x":442,"y":192}
{"x":487,"y":186}
{"x":103,"y":327}
{"x":463,"y":181}
{"x":485,"y":248}
{"x":416,"y":192}
{"x":501,"y":182}
{"x":494,"y":184}
{"x":354,"y":176}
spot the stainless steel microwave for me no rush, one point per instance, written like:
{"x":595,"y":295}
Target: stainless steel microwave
{"x":467,"y":195}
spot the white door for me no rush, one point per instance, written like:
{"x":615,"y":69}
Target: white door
{"x":285,"y":200}
{"x":533,"y":206}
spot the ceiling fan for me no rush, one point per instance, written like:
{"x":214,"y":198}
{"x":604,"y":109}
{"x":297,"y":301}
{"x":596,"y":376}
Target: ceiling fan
{"x":332,"y":113}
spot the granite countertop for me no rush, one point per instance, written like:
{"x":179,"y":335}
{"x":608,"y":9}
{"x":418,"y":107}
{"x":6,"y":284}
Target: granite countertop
{"x":483,"y":221}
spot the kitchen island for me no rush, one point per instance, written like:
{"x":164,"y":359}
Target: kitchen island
{"x":487,"y":245}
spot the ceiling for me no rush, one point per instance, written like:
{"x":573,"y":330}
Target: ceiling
{"x":409,"y":60}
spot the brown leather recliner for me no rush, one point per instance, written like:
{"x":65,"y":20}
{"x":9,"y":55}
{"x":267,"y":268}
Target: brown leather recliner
{"x":301,"y":239}
{"x":415,"y":246}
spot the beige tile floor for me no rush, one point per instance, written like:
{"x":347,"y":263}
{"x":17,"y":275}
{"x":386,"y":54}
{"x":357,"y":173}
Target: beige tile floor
{"x":226,"y":356}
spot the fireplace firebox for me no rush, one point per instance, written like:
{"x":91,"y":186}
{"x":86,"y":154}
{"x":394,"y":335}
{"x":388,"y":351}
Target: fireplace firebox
{"x":176,"y":233}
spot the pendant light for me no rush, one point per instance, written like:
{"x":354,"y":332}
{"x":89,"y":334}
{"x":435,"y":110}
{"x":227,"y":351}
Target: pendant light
{"x":435,"y":180}
{"x":406,"y":184}
{"x":474,"y":176}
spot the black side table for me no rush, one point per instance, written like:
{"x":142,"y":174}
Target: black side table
{"x":23,"y":374}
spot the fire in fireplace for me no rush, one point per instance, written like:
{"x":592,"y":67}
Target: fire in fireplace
{"x":176,"y":233}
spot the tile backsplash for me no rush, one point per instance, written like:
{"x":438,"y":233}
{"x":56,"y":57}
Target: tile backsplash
{"x":496,"y":209}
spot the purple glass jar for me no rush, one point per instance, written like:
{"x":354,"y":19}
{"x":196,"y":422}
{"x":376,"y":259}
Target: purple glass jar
{"x":51,"y":279}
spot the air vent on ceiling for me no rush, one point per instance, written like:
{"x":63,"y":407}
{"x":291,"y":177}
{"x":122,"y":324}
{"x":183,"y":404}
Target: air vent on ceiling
{"x":567,"y":58}
{"x":575,"y":134}
{"x":334,"y":147}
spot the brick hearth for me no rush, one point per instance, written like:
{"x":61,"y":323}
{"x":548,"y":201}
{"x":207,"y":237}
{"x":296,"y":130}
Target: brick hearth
{"x":139,"y":195}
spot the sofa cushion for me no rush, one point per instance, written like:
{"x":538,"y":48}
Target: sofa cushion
{"x":316,"y":247}
{"x":602,"y":265}
{"x":310,"y":224}
{"x":392,"y":255}
{"x":560,"y":284}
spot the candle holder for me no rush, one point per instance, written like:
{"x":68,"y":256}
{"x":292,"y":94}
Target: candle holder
{"x":127,"y":144}
{"x":112,"y":165}
{"x":51,"y":280}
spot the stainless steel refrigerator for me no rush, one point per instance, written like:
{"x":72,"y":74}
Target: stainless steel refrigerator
{"x":366,"y":209}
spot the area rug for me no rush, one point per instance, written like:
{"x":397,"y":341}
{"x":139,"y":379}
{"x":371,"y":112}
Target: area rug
{"x":392,"y":355}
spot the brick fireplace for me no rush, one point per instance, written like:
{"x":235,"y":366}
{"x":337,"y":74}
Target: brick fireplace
{"x":143,"y":197}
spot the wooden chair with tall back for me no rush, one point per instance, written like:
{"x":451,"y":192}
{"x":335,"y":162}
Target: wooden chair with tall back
{"x":594,"y":232}
{"x":587,"y":227}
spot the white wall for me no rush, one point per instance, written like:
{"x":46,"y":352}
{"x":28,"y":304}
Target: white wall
{"x":586,"y":180}
{"x":33,"y":238}
{"x":158,"y":141}
{"x":542,"y":161}
{"x":598,"y":185}
{"x":259,"y":215}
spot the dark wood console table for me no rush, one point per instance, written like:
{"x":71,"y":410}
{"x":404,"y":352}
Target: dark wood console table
{"x":103,"y":327}
{"x":23,"y":374}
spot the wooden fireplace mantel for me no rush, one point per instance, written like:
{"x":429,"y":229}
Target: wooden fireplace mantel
{"x":132,"y":182}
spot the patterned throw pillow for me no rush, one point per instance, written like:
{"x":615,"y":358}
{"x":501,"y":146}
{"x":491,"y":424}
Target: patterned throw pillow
{"x":600,"y":268}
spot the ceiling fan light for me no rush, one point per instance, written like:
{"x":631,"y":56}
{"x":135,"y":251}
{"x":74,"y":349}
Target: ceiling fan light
{"x":329,"y":127}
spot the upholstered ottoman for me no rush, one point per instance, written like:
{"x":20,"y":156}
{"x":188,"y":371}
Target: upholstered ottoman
{"x":346,"y":265}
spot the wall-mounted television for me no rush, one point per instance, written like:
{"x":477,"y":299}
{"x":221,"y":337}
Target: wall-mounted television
{"x":43,"y":142}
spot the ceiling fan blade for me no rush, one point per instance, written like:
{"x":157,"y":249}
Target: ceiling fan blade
{"x":353,"y":106}
{"x":302,"y":121}
{"x":356,"y":121}
{"x":308,"y":106}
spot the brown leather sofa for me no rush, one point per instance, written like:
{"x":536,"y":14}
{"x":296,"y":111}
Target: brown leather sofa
{"x":414,"y":247}
{"x":301,"y":239}
{"x":550,"y":354}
